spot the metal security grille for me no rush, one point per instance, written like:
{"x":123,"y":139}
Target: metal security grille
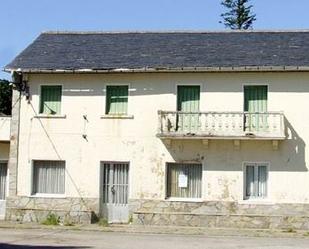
{"x":115,"y":183}
{"x":184,"y":180}
{"x":3,"y":176}
{"x":49,"y":177}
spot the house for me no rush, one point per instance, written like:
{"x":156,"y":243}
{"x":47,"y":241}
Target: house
{"x":162,"y":128}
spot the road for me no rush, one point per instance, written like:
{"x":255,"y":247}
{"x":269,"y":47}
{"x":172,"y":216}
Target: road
{"x":64,"y":239}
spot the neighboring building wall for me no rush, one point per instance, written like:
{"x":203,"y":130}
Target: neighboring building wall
{"x":4,"y":151}
{"x":134,"y":140}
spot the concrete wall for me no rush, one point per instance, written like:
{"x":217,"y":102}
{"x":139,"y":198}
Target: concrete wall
{"x":134,"y":139}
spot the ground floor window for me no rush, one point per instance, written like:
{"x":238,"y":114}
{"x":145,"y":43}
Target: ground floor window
{"x":3,"y":175}
{"x":255,"y":177}
{"x":48,"y":177}
{"x":184,"y":180}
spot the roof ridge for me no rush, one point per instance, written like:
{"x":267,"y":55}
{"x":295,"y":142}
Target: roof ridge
{"x":64,"y":32}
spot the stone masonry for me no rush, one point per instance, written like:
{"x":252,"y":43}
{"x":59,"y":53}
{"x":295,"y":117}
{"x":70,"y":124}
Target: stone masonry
{"x":217,"y":214}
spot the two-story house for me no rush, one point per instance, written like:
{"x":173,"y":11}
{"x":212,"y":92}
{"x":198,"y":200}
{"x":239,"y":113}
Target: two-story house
{"x":164,"y":128}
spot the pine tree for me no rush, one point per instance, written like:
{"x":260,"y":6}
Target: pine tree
{"x":239,"y":14}
{"x":5,"y":98}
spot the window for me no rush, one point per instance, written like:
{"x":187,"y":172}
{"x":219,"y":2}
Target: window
{"x":48,"y":177}
{"x":3,"y":175}
{"x":256,"y":177}
{"x":116,"y":100}
{"x":50,"y":102}
{"x":188,"y":100}
{"x":255,"y":103}
{"x":184,"y":180}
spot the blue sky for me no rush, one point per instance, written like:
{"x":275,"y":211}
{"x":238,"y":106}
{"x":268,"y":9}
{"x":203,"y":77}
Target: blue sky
{"x":23,"y":20}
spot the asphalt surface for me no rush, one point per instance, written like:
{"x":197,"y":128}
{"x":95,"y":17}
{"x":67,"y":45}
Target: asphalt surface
{"x":68,"y":239}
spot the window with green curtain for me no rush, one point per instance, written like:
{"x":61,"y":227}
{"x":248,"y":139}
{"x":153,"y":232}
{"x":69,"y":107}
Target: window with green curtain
{"x":255,"y":103}
{"x":50,"y":102}
{"x":116,"y":99}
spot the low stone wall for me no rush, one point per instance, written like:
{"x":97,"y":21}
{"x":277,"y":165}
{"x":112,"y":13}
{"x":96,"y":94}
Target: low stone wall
{"x":220,"y":214}
{"x":215,"y":214}
{"x":36,"y":209}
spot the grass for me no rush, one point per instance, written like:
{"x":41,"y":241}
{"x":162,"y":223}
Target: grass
{"x":103,"y":222}
{"x":51,"y":220}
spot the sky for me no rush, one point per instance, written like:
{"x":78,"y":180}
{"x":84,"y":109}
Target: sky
{"x":23,"y":20}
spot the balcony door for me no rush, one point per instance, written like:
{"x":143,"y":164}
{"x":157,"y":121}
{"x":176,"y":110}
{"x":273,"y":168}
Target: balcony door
{"x":188,"y":101}
{"x":255,"y":103}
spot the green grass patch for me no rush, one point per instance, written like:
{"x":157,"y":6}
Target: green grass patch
{"x":51,"y":220}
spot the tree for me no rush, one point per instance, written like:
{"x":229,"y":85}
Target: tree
{"x":239,"y":14}
{"x":5,"y":97}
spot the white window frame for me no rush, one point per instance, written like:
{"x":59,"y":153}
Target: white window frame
{"x":256,"y":165}
{"x":46,"y":195}
{"x":7,"y":178}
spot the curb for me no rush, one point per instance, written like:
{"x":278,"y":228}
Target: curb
{"x":164,"y":230}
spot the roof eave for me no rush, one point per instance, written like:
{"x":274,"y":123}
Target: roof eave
{"x":167,"y":70}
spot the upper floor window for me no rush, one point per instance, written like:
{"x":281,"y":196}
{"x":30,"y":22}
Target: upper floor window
{"x":50,"y":99}
{"x":117,"y":100}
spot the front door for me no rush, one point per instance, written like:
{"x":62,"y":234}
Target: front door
{"x":3,"y":188}
{"x":188,"y":100}
{"x":115,"y":190}
{"x":255,"y":103}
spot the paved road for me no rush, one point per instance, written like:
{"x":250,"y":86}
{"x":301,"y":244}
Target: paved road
{"x":63,"y":239}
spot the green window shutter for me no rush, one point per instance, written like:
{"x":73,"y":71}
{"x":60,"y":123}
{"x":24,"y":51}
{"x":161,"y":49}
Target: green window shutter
{"x":50,"y":100}
{"x":255,"y":101}
{"x":117,"y":99}
{"x":188,"y":98}
{"x":255,"y":98}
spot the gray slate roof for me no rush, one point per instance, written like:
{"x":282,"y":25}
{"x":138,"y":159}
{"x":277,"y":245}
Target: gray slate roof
{"x":163,"y":50}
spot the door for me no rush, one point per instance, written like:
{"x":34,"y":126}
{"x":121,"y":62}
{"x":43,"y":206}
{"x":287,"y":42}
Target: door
{"x":115,"y":191}
{"x":188,"y":100}
{"x":255,"y":103}
{"x":3,"y":188}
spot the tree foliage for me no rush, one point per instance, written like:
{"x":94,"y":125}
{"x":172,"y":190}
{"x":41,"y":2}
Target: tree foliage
{"x":5,"y":97}
{"x":239,"y":14}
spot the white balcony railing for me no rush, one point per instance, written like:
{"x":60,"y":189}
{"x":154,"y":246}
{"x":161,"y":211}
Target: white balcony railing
{"x":5,"y":124}
{"x":223,"y":125}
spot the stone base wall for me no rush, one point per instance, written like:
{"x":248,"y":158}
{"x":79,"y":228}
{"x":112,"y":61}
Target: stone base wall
{"x":213,"y":214}
{"x":36,"y":209}
{"x":220,"y":214}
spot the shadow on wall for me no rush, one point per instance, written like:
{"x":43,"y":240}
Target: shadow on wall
{"x":10,"y":246}
{"x":221,"y":155}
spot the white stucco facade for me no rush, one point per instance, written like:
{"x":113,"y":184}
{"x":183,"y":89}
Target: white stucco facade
{"x":134,"y":139}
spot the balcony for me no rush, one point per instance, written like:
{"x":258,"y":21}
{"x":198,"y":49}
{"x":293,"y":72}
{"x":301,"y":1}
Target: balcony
{"x":221,"y":125}
{"x":5,"y":124}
